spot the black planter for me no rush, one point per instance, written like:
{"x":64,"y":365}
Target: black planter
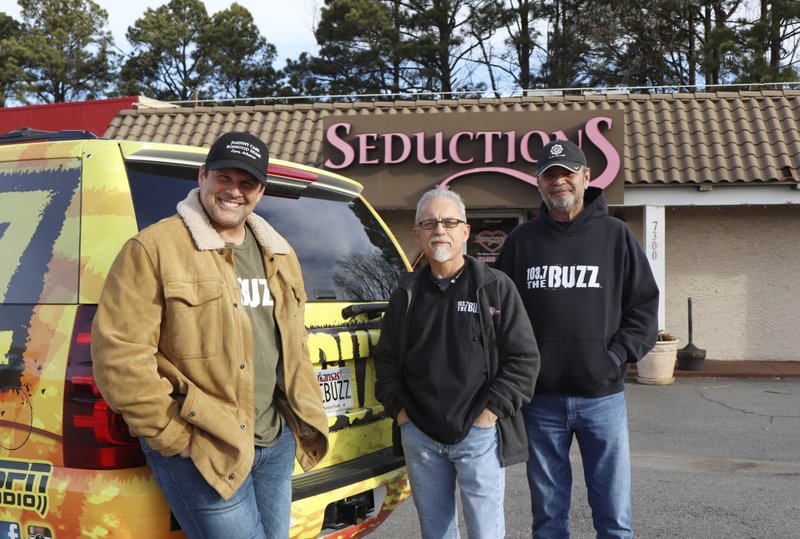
{"x":691,"y":358}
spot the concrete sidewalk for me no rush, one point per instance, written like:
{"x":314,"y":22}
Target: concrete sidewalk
{"x":740,"y":369}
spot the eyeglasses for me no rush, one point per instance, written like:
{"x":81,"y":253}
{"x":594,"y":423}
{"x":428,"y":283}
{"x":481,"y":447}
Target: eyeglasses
{"x":431,"y":224}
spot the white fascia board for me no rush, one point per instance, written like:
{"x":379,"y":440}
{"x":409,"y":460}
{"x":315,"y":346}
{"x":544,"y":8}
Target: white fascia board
{"x":762,"y":195}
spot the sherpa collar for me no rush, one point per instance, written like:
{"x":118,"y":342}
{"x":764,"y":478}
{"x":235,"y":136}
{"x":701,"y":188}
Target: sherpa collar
{"x":206,"y":238}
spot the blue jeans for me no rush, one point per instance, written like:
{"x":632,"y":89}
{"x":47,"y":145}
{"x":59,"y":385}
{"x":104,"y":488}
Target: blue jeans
{"x":433,"y":469}
{"x":261,"y":508}
{"x":600,"y":425}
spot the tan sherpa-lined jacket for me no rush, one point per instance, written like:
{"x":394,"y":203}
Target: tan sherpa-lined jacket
{"x":172,"y":346}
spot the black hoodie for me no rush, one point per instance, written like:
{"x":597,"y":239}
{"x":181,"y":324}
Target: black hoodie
{"x":590,"y":294}
{"x":512,"y":359}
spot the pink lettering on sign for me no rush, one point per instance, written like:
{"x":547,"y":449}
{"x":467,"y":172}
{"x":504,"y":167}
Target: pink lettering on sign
{"x":404,"y":142}
{"x":366,"y":144}
{"x":476,"y":150}
{"x":348,"y":153}
{"x":518,"y":174}
{"x":454,"y":147}
{"x":438,"y":148}
{"x":525,"y":144}
{"x":611,"y":153}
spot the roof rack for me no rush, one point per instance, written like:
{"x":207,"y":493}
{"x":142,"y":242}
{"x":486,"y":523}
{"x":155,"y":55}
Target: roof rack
{"x":29,"y":134}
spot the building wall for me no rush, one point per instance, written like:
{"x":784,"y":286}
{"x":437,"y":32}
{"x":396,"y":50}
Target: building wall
{"x":93,"y":116}
{"x":736,"y":263}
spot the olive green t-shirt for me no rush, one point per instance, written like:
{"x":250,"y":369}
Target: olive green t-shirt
{"x":258,"y":301}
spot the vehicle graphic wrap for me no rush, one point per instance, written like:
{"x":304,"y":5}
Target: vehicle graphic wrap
{"x":338,"y":346}
{"x":362,"y":429}
{"x":96,"y":504}
{"x":30,"y":413}
{"x":358,"y":431}
{"x":23,"y":484}
{"x":107,"y":216}
{"x":39,"y":220}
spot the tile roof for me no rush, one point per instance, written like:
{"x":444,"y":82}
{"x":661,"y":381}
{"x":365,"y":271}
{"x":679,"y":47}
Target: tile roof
{"x":681,"y":138}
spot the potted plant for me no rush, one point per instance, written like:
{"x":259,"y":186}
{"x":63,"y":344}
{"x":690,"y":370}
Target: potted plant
{"x":658,"y":366}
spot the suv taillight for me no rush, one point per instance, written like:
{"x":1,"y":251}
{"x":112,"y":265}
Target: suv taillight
{"x":94,"y":436}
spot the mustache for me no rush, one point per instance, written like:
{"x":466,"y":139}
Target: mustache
{"x":440,"y":238}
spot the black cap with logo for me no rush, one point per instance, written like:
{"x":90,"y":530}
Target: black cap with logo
{"x":560,"y":153}
{"x":244,"y":151}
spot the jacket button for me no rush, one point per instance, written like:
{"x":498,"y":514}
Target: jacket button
{"x":235,"y":305}
{"x":232,"y":477}
{"x":192,"y":413}
{"x":221,"y":251}
{"x":242,"y":366}
{"x":242,"y":426}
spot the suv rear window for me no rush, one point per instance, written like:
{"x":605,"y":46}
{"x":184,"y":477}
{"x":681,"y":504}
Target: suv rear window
{"x":344,"y":252}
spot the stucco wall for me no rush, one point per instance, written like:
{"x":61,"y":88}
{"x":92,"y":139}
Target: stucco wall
{"x":737,"y":263}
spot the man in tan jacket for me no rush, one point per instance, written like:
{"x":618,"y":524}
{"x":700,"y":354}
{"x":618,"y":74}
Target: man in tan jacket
{"x":199,"y":343}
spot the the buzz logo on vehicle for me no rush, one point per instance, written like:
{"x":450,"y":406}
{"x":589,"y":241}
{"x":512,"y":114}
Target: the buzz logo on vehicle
{"x":23,"y":484}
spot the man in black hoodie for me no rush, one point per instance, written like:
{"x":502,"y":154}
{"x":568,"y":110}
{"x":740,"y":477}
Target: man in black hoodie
{"x":455,"y":362}
{"x":593,"y":302}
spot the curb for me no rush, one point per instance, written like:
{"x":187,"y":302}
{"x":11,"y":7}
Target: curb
{"x":737,"y":369}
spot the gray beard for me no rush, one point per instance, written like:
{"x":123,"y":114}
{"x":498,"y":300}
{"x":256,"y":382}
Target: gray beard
{"x":561,"y":205}
{"x":441,"y":254}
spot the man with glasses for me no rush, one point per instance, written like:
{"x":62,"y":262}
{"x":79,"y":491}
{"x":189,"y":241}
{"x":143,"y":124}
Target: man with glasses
{"x":456,"y":360}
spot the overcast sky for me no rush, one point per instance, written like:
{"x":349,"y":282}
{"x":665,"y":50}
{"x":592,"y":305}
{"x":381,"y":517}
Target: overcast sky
{"x":287,"y":24}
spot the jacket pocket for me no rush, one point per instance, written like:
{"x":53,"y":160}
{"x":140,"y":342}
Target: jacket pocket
{"x":192,"y":326}
{"x":578,"y":366}
{"x":206,"y":415}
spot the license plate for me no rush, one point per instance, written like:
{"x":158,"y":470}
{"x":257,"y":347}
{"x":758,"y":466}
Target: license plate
{"x":336,"y":388}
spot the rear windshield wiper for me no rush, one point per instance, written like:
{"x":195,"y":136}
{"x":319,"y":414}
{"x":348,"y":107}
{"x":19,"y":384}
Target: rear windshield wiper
{"x":373,"y":310}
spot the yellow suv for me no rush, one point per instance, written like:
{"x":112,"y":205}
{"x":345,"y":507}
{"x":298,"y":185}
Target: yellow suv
{"x":68,"y":466}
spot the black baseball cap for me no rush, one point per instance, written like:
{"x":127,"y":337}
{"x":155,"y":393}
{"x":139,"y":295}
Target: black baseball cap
{"x":560,"y":153}
{"x":237,"y":149}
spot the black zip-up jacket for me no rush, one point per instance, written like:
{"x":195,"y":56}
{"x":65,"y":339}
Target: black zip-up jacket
{"x":512,"y":357}
{"x":590,"y":295}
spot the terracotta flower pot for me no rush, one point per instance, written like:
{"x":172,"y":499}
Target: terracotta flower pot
{"x":658,"y":366}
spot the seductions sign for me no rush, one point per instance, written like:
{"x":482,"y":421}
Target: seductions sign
{"x":399,"y":156}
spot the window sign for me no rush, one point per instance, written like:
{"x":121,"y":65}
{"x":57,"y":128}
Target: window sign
{"x":487,"y":236}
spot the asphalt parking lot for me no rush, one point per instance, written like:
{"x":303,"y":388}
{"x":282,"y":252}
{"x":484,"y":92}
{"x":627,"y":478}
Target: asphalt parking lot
{"x":711,"y":458}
